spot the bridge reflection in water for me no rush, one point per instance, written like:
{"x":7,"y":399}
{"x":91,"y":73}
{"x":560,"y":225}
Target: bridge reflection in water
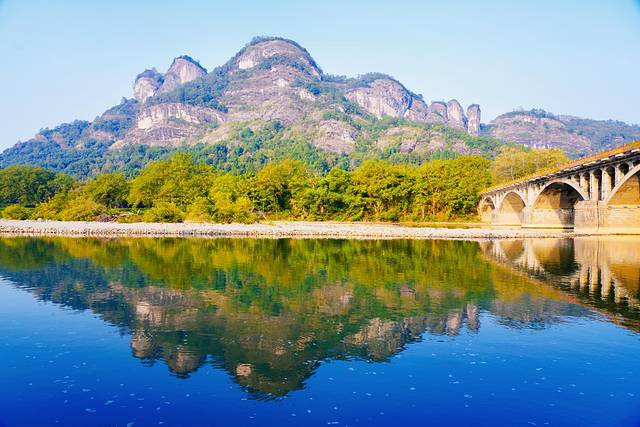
{"x":602,"y":272}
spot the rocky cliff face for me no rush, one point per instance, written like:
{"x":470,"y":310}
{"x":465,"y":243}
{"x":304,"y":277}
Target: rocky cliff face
{"x":386,"y":97}
{"x":273,"y":52}
{"x":473,"y":116}
{"x":183,"y":69}
{"x":158,"y":125}
{"x":147,"y":84}
{"x":457,"y":119}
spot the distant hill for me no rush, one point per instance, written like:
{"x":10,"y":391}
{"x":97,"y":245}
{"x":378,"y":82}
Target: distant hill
{"x":575,"y":135}
{"x":271,"y":101}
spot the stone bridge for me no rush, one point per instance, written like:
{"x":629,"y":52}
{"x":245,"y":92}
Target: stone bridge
{"x":600,"y":193}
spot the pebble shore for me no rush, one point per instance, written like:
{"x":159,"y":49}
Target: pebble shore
{"x":276,"y":229}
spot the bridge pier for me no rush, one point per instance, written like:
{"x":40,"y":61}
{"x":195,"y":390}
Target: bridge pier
{"x":586,"y":217}
{"x":550,"y":218}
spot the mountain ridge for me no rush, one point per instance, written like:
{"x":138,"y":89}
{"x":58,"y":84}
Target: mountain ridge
{"x":274,"y":83}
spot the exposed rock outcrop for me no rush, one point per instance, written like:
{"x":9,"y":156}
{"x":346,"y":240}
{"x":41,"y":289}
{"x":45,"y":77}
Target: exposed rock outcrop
{"x":164,"y":124}
{"x":269,"y":52}
{"x":336,"y":136}
{"x":183,"y":69}
{"x":455,"y":114}
{"x":576,"y":136}
{"x":147,"y":84}
{"x":438,"y":112}
{"x":387,"y":97}
{"x":473,"y":117}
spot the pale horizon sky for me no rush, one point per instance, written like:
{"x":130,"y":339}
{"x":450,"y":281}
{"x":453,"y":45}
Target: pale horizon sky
{"x":66,"y":60}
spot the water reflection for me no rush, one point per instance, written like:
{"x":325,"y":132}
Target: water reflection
{"x":602,"y":273}
{"x":270,"y":311}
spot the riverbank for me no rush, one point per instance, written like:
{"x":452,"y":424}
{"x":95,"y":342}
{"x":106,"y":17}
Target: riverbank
{"x":276,"y":229}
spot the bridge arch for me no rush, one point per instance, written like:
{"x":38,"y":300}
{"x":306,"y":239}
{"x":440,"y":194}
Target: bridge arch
{"x":627,"y":191}
{"x":621,"y":210}
{"x":511,"y":210}
{"x":486,"y":208}
{"x":583,"y":194}
{"x":554,"y":205}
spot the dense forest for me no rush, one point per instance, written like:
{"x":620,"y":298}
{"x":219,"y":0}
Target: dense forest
{"x":186,"y":188}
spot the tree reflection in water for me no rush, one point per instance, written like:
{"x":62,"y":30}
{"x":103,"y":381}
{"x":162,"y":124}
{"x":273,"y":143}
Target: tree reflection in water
{"x":270,"y":311}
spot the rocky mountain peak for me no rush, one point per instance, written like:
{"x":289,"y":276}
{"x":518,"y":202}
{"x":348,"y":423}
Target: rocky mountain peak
{"x":147,"y":84}
{"x":268,"y":52}
{"x":183,"y":69}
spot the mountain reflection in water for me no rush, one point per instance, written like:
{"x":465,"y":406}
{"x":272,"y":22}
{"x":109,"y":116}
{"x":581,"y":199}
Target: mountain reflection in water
{"x":269,"y":311}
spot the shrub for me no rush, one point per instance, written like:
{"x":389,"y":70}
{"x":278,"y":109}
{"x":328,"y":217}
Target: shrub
{"x":15,"y":212}
{"x":164,"y":212}
{"x":128,"y":219}
{"x":243,"y":211}
{"x":227,"y":210}
{"x":201,"y":210}
{"x":51,"y":208}
{"x":81,"y":209}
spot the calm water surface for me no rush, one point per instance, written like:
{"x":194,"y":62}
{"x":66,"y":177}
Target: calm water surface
{"x":145,"y":332}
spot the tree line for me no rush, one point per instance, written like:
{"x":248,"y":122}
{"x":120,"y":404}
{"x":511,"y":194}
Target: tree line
{"x":185,"y":188}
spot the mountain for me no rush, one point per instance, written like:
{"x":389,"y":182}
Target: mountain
{"x":575,"y":135}
{"x":271,"y":101}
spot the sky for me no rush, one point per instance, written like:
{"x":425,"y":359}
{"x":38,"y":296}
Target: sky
{"x":66,"y":60}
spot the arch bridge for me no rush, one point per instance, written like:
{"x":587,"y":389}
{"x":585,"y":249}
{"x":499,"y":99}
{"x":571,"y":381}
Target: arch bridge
{"x":600,"y":193}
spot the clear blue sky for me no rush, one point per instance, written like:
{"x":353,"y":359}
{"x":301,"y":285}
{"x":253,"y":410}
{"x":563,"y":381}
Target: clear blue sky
{"x":63,"y":60}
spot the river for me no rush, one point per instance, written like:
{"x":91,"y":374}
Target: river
{"x":171,"y":331}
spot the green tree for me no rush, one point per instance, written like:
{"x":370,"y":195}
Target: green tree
{"x":229,"y":196}
{"x":81,"y":209}
{"x":325,"y":197}
{"x":28,"y":185}
{"x":111,"y":190}
{"x":178,"y":180}
{"x":201,"y":210}
{"x":380,"y":190}
{"x":447,"y":188}
{"x":277,"y":183}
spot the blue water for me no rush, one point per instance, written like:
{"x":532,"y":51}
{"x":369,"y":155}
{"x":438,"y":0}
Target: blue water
{"x":71,"y":366}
